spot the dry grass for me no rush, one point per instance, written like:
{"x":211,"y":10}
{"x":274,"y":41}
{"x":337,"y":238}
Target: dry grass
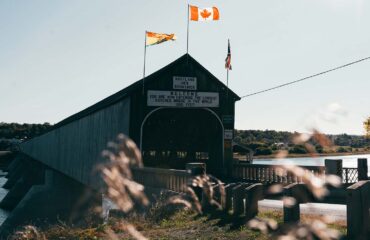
{"x":182,"y":224}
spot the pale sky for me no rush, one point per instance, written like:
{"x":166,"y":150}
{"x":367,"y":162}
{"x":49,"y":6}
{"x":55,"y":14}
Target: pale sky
{"x":59,"y":57}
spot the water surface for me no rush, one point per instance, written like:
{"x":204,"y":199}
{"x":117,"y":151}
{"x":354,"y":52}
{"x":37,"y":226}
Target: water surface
{"x":349,"y":161}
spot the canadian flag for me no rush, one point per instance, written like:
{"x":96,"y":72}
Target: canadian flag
{"x":204,"y":14}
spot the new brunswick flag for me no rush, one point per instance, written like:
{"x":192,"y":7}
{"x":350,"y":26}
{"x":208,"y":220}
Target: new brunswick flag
{"x":157,"y":38}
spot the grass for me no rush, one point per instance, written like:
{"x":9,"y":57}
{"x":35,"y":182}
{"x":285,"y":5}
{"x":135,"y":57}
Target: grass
{"x":183,"y":224}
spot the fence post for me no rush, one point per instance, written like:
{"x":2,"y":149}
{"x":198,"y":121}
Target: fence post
{"x":291,"y":211}
{"x":358,"y":222}
{"x":334,"y":167}
{"x":196,"y":168}
{"x":238,"y":199}
{"x":298,"y":193}
{"x":226,"y":205}
{"x":362,"y":169}
{"x":253,"y":193}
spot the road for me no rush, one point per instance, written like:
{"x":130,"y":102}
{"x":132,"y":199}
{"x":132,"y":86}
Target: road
{"x":335,"y":211}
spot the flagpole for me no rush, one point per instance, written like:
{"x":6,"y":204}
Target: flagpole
{"x":227,"y":71}
{"x":227,"y":83}
{"x":187,"y":33}
{"x":144,"y":62}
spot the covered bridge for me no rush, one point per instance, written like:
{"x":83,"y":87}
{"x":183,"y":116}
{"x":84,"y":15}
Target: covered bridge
{"x":181,"y":114}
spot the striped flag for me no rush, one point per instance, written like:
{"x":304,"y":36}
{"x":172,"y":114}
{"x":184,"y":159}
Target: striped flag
{"x":228,"y":58}
{"x":204,"y":14}
{"x":157,"y":38}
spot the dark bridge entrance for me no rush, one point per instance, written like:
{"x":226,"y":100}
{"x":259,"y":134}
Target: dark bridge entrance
{"x":174,"y":136}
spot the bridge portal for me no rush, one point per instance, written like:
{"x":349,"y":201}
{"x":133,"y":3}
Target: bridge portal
{"x":173,"y":137}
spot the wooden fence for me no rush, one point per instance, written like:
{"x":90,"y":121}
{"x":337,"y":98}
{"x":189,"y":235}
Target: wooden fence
{"x":242,"y":198}
{"x":171,"y":179}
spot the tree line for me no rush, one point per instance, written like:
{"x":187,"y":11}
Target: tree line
{"x":266,"y":142}
{"x":262,"y":142}
{"x":11,"y":134}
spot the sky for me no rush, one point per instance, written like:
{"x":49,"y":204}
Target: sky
{"x":59,"y":57}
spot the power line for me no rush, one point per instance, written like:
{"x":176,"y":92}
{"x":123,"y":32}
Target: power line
{"x":305,"y":78}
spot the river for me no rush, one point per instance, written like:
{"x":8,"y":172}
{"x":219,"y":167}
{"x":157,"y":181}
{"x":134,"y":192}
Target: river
{"x":348,"y":160}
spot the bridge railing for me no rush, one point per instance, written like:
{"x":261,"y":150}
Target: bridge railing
{"x":269,"y":173}
{"x":350,"y":175}
{"x":171,"y":179}
{"x":265,"y":173}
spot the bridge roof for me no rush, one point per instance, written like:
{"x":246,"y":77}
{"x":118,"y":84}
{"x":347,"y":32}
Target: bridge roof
{"x":137,"y":86}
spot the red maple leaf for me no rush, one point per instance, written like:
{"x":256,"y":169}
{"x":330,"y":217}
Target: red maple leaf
{"x":205,"y":14}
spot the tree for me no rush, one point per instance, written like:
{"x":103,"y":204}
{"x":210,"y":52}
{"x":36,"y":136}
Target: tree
{"x":263,"y":151}
{"x":298,"y":149}
{"x":367,"y":127}
{"x":319,"y":149}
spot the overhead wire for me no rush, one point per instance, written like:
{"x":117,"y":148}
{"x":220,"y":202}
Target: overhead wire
{"x":306,"y":78}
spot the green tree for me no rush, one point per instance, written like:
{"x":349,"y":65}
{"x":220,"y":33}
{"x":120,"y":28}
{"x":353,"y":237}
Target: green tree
{"x":367,"y":127}
{"x":298,"y":149}
{"x":263,"y":151}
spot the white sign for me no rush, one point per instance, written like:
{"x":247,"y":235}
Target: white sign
{"x":185,"y":83}
{"x":228,"y":134}
{"x":182,"y":99}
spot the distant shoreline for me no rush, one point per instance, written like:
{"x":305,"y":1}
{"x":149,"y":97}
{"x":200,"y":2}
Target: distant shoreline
{"x":312,"y":155}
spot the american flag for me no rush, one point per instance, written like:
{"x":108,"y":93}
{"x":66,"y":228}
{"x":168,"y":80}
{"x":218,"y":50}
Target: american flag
{"x":228,"y":58}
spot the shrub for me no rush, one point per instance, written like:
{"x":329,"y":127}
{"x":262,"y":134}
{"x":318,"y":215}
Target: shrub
{"x":298,"y":149}
{"x":319,"y":149}
{"x":342,"y":150}
{"x":263,"y":151}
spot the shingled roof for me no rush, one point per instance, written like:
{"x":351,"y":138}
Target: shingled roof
{"x":137,"y":86}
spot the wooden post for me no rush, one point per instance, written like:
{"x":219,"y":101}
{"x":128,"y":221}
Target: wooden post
{"x":196,"y":168}
{"x":253,"y":193}
{"x":300,"y":194}
{"x":358,"y":198}
{"x":334,"y":167}
{"x":228,"y":198}
{"x":362,"y":169}
{"x":238,"y":199}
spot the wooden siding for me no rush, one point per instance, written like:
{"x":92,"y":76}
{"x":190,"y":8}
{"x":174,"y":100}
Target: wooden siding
{"x":75,"y":148}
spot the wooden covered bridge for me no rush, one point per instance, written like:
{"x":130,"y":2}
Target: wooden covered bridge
{"x":182,"y":113}
{"x":179,"y":114}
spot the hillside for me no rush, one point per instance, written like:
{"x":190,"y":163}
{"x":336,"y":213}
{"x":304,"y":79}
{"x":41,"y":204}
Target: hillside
{"x":266,"y":142}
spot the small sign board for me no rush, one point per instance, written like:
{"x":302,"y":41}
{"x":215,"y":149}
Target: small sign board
{"x":182,"y":99}
{"x":228,"y":119}
{"x":228,"y":134}
{"x":184,"y":83}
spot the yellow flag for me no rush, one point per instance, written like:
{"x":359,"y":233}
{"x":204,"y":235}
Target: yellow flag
{"x":157,"y":38}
